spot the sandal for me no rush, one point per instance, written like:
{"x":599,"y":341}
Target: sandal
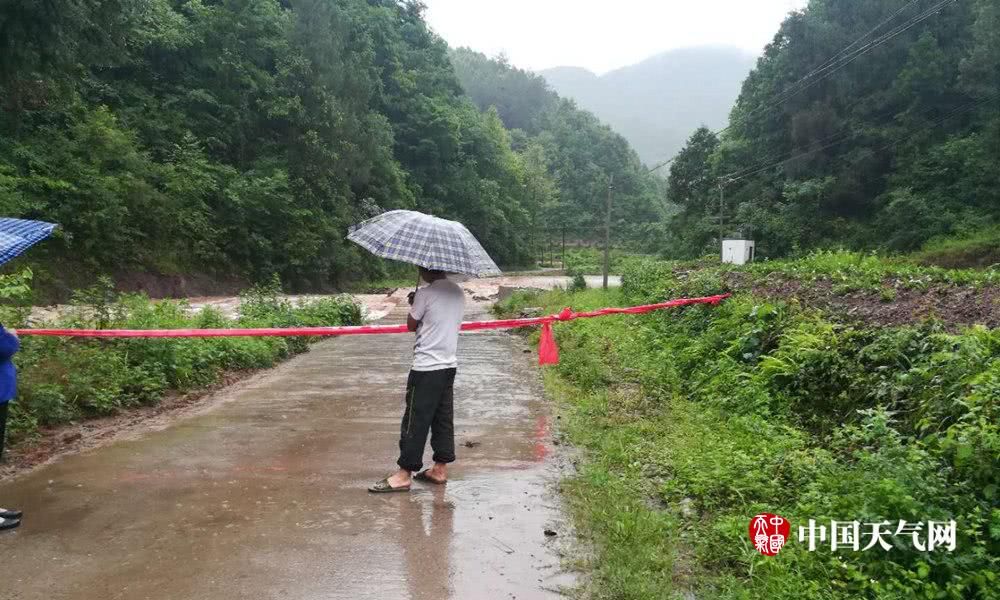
{"x":9,"y":524}
{"x":383,"y":487}
{"x":423,"y":476}
{"x":9,"y":514}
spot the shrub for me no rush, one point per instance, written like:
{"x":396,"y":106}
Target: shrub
{"x":590,"y":261}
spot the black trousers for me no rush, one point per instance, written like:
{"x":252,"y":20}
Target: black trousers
{"x":3,"y":425}
{"x":429,"y":406}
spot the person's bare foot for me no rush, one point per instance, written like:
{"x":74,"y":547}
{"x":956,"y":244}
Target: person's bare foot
{"x":438,"y":473}
{"x":400,"y":478}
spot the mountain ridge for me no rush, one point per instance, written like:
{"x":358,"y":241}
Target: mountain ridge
{"x":658,"y":102}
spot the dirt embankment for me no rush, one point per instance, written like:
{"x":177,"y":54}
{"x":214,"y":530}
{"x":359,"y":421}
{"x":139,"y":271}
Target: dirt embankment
{"x":955,"y":306}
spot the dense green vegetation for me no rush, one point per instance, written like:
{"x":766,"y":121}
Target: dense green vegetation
{"x":844,"y":271}
{"x":578,"y":153}
{"x":694,"y":420}
{"x":894,"y":148}
{"x":240,"y":138}
{"x":590,"y":261}
{"x":979,"y":248}
{"x":62,"y":380}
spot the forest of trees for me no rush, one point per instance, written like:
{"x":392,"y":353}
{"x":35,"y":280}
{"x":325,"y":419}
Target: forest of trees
{"x":241,"y":138}
{"x":883,"y":144}
{"x":580,"y":154}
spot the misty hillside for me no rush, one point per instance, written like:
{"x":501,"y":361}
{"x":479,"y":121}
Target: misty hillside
{"x":657,"y":103}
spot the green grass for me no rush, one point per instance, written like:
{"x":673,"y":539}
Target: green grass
{"x":844,"y":271}
{"x":590,"y":261}
{"x":977,"y":249}
{"x":636,"y":543}
{"x":691,"y":421}
{"x":859,"y":271}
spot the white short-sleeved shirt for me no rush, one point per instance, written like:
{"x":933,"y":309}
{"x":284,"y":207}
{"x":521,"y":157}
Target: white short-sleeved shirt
{"x":439,"y":307}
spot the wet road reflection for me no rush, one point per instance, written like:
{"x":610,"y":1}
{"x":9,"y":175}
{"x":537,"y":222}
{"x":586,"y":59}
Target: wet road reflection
{"x":265,"y":495}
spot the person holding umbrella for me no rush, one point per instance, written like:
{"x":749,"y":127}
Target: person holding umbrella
{"x":437,"y":247}
{"x":16,"y":236}
{"x":435,"y":316}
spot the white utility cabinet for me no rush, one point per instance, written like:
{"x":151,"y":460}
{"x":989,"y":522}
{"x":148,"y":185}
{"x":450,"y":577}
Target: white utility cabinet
{"x":737,"y":252}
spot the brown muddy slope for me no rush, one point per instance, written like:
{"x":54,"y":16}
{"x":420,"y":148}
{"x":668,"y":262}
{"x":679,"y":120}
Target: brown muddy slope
{"x":955,"y":306}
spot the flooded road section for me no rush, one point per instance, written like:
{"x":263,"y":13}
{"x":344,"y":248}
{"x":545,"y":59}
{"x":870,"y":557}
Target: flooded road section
{"x":264,"y":495}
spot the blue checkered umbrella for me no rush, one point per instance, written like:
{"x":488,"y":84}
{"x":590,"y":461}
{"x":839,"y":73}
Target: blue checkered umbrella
{"x":17,"y":235}
{"x":426,"y":241}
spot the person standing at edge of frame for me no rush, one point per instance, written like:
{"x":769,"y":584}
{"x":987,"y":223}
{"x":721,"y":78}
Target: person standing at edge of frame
{"x":9,"y":345}
{"x":435,"y":316}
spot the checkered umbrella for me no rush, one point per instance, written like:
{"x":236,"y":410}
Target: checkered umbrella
{"x":17,"y":235}
{"x":426,"y":241}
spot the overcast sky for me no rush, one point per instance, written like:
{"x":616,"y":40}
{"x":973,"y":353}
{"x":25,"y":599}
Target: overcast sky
{"x":602,"y":35}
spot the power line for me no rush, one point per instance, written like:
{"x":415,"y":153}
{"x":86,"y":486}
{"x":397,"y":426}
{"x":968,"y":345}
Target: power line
{"x":789,"y":159}
{"x":975,"y":103}
{"x":886,"y":117}
{"x":664,"y":163}
{"x":847,"y":56}
{"x":870,"y":32}
{"x":968,"y":106}
{"x":831,"y":68}
{"x":803,"y":154}
{"x":883,"y":117}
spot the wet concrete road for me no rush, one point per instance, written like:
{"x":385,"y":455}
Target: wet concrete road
{"x":264,"y":495}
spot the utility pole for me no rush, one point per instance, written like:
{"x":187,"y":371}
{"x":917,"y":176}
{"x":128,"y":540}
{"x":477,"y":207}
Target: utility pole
{"x":539,"y":247}
{"x":722,"y":204}
{"x":607,"y":232}
{"x":564,"y":246}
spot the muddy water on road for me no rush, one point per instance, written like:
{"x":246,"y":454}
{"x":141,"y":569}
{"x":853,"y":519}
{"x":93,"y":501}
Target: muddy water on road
{"x":481,"y":292}
{"x":264,"y":496}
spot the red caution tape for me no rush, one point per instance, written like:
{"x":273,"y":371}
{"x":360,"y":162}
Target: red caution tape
{"x":548,"y":352}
